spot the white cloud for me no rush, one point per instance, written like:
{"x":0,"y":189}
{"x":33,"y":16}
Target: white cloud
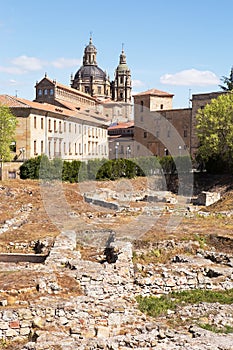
{"x":66,"y":62}
{"x":190,"y":77}
{"x":137,"y":83}
{"x":11,"y":70}
{"x":26,"y":63}
{"x":13,"y":82}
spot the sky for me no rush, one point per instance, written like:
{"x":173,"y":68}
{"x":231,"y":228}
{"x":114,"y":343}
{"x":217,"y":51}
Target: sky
{"x":179,"y":46}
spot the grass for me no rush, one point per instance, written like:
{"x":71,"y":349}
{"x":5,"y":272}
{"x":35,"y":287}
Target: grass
{"x":155,"y":306}
{"x":226,"y":329}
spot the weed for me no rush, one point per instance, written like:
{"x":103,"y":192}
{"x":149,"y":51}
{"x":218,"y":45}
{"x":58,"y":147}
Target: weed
{"x":201,"y":240}
{"x":226,"y":329}
{"x":155,"y":306}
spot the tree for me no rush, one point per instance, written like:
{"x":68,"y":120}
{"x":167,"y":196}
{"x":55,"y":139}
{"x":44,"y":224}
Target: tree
{"x":215,"y":129}
{"x":8,"y":124}
{"x":228,"y":82}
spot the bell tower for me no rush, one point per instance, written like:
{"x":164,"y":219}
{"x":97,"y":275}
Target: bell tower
{"x":122,"y":84}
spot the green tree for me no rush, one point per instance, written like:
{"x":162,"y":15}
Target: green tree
{"x":215,"y":130}
{"x":8,"y":124}
{"x":228,"y":82}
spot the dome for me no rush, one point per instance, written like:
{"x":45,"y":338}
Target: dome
{"x":86,"y":72}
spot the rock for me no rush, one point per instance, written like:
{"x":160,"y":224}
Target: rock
{"x":10,"y":333}
{"x":102,"y":332}
{"x":38,"y":322}
{"x":25,"y":331}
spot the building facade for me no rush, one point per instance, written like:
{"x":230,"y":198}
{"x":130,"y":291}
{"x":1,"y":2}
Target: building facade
{"x":121,"y":140}
{"x":56,"y":132}
{"x":161,"y":130}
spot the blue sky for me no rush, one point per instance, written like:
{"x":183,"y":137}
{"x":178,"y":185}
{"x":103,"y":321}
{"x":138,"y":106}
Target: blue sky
{"x":183,"y":47}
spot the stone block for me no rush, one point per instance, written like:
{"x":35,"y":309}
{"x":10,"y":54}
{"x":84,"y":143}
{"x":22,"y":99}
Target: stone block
{"x":102,"y":332}
{"x":25,"y":331}
{"x":3,"y":325}
{"x":11,"y":333}
{"x":14,"y":324}
{"x":38,"y":322}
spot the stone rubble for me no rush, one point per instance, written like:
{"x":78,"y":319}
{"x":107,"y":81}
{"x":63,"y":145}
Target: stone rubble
{"x":106,"y":315}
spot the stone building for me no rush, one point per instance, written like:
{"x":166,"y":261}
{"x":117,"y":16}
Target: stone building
{"x":199,"y":101}
{"x":56,"y":131}
{"x":121,"y":140}
{"x":92,"y":89}
{"x":161,"y":130}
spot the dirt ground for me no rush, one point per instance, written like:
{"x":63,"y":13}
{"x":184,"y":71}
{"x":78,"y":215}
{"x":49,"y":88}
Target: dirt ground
{"x":41,"y":211}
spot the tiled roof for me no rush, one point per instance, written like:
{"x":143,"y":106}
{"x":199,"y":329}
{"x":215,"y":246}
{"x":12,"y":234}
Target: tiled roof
{"x":122,"y":125}
{"x":154,"y":92}
{"x":16,"y":102}
{"x":11,"y":101}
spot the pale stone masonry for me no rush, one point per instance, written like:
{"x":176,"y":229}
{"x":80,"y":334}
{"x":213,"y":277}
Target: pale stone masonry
{"x":56,"y":132}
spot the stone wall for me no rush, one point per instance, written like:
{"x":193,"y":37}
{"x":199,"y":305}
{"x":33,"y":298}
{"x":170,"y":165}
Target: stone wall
{"x":105,"y":315}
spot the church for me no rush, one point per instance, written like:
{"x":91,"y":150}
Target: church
{"x":90,"y":88}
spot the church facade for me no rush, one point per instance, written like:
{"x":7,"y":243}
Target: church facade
{"x":91,"y":89}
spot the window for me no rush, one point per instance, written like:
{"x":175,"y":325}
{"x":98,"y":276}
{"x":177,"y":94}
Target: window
{"x":40,"y":92}
{"x":60,"y":127}
{"x":42,"y":123}
{"x":45,"y":91}
{"x":70,"y":148}
{"x":13,"y":146}
{"x":64,"y":147}
{"x":59,"y":148}
{"x":142,"y":106}
{"x":11,"y":174}
{"x":55,"y":148}
{"x":35,"y":148}
{"x":42,"y":147}
{"x":161,"y":106}
{"x":50,"y":125}
{"x":55,"y":125}
{"x":99,"y":89}
{"x":35,"y":122}
{"x":121,"y":80}
{"x":185,"y":133}
{"x":69,"y":127}
{"x":121,"y":95}
{"x":49,"y":149}
{"x":87,"y":89}
{"x":64,"y":126}
{"x":145,"y":134}
{"x":51,"y":92}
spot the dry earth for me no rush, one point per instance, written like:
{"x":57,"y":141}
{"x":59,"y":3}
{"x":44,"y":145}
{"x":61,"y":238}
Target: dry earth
{"x":30,"y":218}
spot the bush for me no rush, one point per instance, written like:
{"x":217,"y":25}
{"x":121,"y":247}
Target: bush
{"x":218,"y":165}
{"x":31,"y":168}
{"x":100,"y":169}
